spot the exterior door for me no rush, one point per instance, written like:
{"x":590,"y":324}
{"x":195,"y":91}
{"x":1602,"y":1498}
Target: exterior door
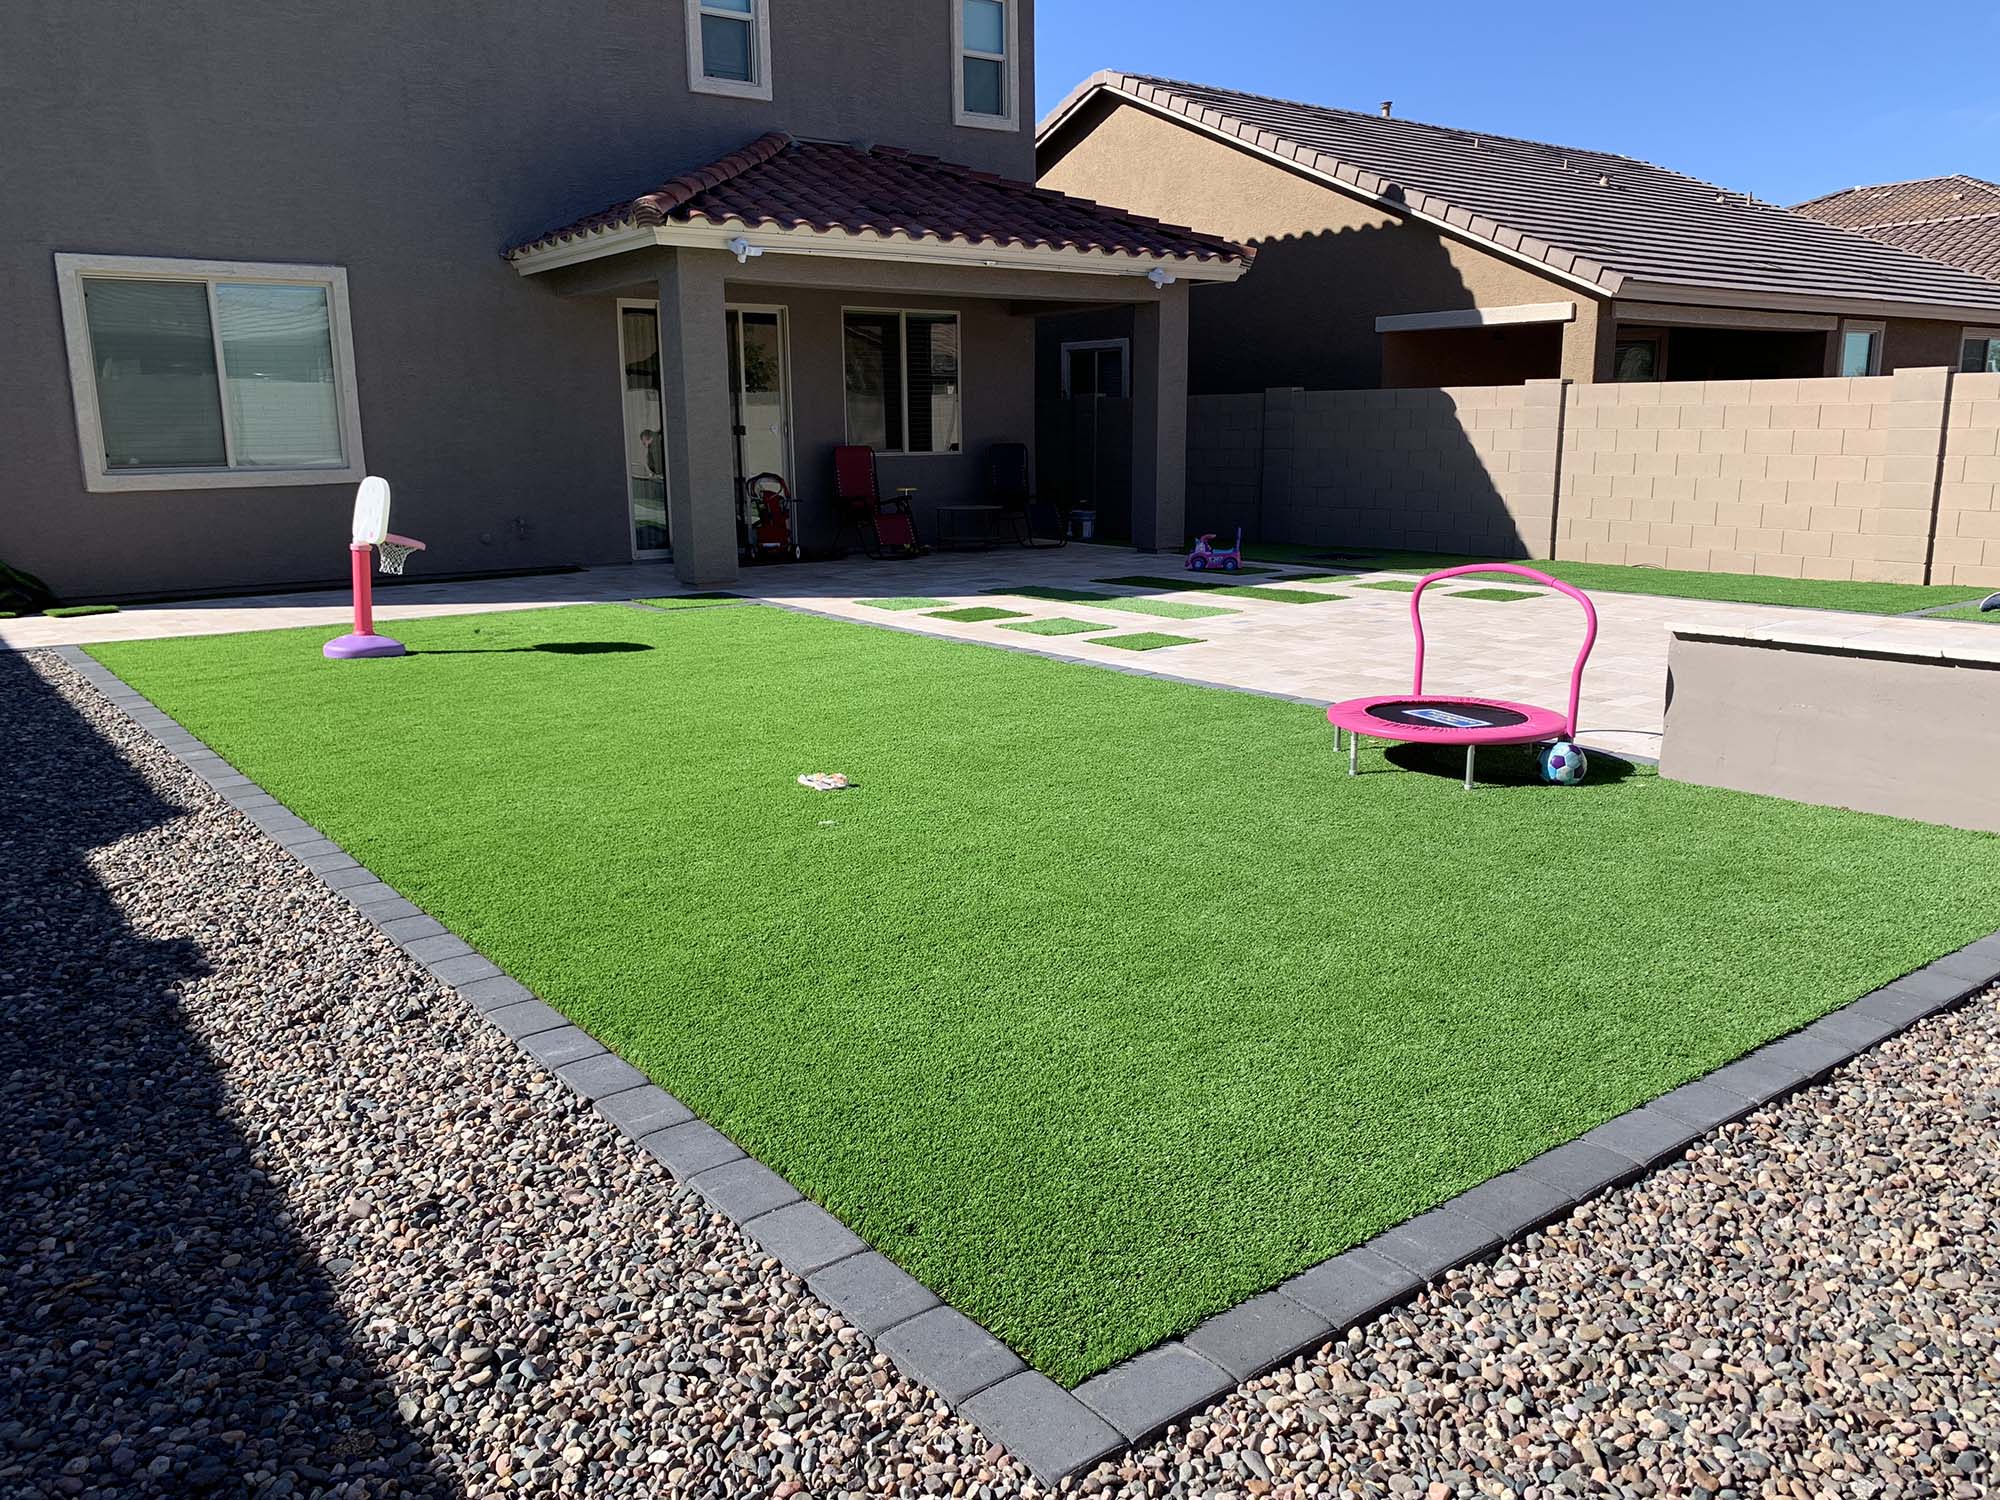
{"x":760,"y":393}
{"x":645,"y":435}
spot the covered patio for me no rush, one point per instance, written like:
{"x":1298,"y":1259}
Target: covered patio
{"x":798,"y":295}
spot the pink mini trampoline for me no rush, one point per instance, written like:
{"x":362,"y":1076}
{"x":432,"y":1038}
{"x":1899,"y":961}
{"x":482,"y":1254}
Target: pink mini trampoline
{"x":1417,"y":717}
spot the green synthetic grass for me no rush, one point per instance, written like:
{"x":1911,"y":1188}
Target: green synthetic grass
{"x":693,"y":601}
{"x":913,"y":601}
{"x":1147,"y":640}
{"x":1969,"y":612}
{"x":1167,"y":609}
{"x":1671,"y":583}
{"x":1224,"y":590}
{"x":76,"y":611}
{"x":975,"y":614}
{"x":1391,"y":585}
{"x":1495,"y":596}
{"x":1103,"y":1002}
{"x":1058,"y":626}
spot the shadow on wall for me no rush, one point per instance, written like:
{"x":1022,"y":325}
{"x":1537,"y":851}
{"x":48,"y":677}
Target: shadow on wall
{"x":1305,"y":316}
{"x":164,"y":1330}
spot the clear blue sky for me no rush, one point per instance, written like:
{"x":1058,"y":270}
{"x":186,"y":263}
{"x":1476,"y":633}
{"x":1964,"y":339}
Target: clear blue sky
{"x":1772,"y":97}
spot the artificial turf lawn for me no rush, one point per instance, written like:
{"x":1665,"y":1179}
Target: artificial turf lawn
{"x":1391,"y":585}
{"x":914,"y":601}
{"x":76,"y":611}
{"x":1105,"y":1001}
{"x":1147,"y":640}
{"x":1671,"y":583}
{"x":974,"y":615}
{"x":1969,"y":612}
{"x":1060,"y":625}
{"x":1226,"y":590}
{"x":1494,"y":596}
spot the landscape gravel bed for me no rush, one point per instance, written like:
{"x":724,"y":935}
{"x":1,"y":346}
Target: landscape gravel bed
{"x":279,"y":1214}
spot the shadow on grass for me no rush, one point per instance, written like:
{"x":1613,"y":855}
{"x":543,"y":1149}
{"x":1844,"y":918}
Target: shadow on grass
{"x":1500,"y":765}
{"x":553,"y":648}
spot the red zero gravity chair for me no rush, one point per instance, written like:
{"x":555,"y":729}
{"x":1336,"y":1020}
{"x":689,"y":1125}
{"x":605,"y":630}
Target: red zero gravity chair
{"x":887,"y":527}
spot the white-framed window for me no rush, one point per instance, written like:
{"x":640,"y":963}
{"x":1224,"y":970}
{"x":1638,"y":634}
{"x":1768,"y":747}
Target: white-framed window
{"x":1861,"y":348}
{"x":191,"y":374}
{"x":1980,"y":352}
{"x":1097,"y":367}
{"x":903,"y":379}
{"x":729,"y":47}
{"x":985,"y":49}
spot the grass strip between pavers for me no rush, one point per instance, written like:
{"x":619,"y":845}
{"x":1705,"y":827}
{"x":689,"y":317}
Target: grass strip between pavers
{"x":913,"y":601}
{"x":78,"y":611}
{"x":1147,"y":640}
{"x":1391,"y":585}
{"x":694,"y":601}
{"x":969,"y":1005}
{"x":1495,"y":596}
{"x":1224,"y":590}
{"x":1166,"y":609}
{"x":1060,"y":625}
{"x":1855,"y":596}
{"x":975,"y":614}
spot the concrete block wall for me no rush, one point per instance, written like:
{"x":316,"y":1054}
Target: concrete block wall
{"x":1225,"y":463}
{"x":1967,"y":546}
{"x":1464,"y":468}
{"x":1827,"y":478}
{"x":1891,"y":478}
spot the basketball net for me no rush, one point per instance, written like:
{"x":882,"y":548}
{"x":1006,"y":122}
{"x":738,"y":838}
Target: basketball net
{"x":391,"y":556}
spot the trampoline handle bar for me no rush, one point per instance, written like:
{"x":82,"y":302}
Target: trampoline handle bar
{"x":1589,"y":623}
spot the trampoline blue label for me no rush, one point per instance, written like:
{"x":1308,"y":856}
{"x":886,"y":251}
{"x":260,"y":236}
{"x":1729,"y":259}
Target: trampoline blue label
{"x":1447,"y":718}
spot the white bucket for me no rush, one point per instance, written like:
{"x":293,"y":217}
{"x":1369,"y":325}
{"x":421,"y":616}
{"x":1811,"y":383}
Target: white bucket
{"x":1083,"y":524}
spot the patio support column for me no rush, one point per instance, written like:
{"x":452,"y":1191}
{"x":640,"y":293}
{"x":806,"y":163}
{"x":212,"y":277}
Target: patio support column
{"x":694,"y":394}
{"x":1159,"y":420}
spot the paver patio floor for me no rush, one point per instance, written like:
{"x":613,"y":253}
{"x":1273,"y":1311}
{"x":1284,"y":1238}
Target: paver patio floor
{"x":1515,"y":649}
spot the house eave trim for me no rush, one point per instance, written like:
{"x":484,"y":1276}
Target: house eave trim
{"x":842,"y":245}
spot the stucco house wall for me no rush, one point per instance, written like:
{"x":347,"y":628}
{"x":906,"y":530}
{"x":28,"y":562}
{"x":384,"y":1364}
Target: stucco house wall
{"x":1327,"y":264}
{"x":409,"y":144}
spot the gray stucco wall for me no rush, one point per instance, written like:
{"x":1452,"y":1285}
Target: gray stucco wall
{"x":409,"y":144}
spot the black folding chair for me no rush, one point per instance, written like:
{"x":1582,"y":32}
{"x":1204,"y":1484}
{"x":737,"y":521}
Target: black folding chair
{"x":1011,"y":487}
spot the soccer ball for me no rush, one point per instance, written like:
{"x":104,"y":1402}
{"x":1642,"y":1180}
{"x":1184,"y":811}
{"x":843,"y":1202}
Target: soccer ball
{"x":1564,"y":763}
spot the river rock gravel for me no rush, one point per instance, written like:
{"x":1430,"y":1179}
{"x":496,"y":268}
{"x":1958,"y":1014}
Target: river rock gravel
{"x":280,"y":1216}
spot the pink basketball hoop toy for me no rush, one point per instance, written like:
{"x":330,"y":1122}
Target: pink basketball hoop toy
{"x":373,"y":543}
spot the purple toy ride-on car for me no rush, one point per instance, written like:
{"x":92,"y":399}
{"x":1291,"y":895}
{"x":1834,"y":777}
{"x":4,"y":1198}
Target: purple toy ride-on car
{"x":1207,"y":555}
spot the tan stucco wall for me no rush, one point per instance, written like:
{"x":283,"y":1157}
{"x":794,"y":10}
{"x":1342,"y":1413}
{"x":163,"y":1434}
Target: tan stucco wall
{"x":1808,"y":725}
{"x":1327,"y":264}
{"x":1908,"y":342}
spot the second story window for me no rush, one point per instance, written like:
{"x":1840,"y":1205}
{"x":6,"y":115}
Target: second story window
{"x":985,"y":37}
{"x":729,"y":47}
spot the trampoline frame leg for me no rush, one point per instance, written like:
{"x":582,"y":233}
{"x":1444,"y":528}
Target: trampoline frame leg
{"x":1353,"y":753}
{"x":1470,"y":751}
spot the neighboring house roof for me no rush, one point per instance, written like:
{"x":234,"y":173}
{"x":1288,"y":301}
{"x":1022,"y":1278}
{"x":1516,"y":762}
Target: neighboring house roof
{"x":784,"y":184}
{"x":1609,"y":223}
{"x":1953,"y":219}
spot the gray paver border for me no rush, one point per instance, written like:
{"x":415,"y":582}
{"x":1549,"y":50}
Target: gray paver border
{"x":1061,"y":1434}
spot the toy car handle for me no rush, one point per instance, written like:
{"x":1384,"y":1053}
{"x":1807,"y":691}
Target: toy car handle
{"x":1589,"y":622}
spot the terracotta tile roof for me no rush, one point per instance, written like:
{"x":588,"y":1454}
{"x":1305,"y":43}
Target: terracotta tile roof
{"x":1610,"y":221}
{"x":779,"y":182}
{"x":1953,"y":219}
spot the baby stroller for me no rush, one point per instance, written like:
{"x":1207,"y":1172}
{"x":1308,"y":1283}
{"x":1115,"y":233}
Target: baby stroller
{"x":770,"y":520}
